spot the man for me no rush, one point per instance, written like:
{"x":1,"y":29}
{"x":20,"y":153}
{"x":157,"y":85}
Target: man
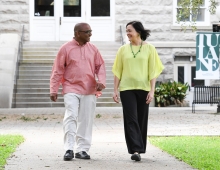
{"x":76,"y":67}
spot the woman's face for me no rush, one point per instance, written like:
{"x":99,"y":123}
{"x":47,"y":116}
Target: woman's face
{"x":132,"y":33}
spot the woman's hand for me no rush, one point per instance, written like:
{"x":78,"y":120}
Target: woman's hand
{"x":116,"y":96}
{"x":150,"y":97}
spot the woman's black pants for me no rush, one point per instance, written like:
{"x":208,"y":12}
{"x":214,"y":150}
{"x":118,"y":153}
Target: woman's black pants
{"x":135,"y":114}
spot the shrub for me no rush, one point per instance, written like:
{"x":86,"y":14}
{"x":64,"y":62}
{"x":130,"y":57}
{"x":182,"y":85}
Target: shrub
{"x":170,"y":93}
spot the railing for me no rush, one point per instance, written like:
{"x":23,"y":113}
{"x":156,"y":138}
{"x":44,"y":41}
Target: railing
{"x":121,"y":33}
{"x":206,"y":95}
{"x":19,"y":57}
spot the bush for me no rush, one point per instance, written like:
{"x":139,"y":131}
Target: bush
{"x":170,"y":93}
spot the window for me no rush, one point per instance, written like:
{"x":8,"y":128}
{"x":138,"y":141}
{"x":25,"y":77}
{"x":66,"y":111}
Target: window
{"x":202,"y":19}
{"x":195,"y":81}
{"x":43,"y":8}
{"x":100,"y":8}
{"x":72,"y":8}
{"x":181,"y":74}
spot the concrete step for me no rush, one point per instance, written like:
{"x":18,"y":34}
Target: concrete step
{"x":58,"y":44}
{"x":37,"y":74}
{"x":60,"y":99}
{"x":51,"y":56}
{"x":34,"y":94}
{"x":37,"y":67}
{"x":39,"y":52}
{"x":43,"y":85}
{"x":30,"y":70}
{"x":47,"y":81}
{"x":35,"y":70}
{"x":50,"y":61}
{"x":60,"y":104}
{"x":23,"y":68}
{"x":47,"y":90}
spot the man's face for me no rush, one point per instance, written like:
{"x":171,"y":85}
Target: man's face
{"x":85,"y":33}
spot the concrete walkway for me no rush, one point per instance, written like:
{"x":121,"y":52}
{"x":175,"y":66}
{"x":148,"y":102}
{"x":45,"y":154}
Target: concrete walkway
{"x":43,"y":146}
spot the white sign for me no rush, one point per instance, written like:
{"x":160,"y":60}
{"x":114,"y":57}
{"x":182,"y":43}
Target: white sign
{"x":207,"y":55}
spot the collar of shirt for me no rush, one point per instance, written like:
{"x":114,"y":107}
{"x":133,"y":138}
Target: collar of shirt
{"x":77,"y":43}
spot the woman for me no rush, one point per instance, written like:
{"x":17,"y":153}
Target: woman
{"x":136,"y":67}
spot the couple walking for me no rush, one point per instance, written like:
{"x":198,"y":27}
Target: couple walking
{"x":80,"y":68}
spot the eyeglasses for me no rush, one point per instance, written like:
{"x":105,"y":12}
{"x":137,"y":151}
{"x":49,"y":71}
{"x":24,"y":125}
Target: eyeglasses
{"x":87,"y":32}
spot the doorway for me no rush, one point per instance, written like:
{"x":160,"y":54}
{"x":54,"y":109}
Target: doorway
{"x":185,"y":72}
{"x":54,"y":20}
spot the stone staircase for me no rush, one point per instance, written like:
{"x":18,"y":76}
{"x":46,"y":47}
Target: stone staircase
{"x":35,"y":69}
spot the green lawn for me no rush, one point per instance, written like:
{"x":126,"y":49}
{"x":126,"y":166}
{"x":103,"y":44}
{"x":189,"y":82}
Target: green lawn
{"x":8,"y":144}
{"x":200,"y":152}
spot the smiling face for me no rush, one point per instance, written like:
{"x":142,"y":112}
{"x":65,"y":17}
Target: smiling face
{"x":132,"y":34}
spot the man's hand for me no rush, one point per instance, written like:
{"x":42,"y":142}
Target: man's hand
{"x":99,"y":86}
{"x":53,"y":97}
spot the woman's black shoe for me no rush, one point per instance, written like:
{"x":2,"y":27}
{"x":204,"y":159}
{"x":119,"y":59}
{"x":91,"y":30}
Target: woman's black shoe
{"x":136,"y":157}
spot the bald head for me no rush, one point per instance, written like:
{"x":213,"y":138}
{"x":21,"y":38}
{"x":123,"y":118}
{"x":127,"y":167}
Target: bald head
{"x":80,"y":26}
{"x":82,"y":32}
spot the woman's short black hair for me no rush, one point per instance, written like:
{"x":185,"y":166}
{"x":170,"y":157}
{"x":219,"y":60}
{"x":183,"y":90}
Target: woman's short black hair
{"x":138,"y":26}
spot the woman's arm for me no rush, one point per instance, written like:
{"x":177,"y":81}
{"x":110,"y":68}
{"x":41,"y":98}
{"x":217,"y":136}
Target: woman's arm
{"x":150,"y":95}
{"x":116,"y":94}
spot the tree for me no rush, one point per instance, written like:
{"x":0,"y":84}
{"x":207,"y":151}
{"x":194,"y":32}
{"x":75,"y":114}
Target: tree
{"x":191,"y":9}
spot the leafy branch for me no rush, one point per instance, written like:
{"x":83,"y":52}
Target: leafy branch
{"x":188,"y":10}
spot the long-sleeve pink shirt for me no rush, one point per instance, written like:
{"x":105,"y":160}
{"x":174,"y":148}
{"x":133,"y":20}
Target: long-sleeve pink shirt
{"x":76,"y":68}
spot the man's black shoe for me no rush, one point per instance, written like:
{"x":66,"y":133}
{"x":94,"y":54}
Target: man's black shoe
{"x":68,"y":155}
{"x":82,"y":155}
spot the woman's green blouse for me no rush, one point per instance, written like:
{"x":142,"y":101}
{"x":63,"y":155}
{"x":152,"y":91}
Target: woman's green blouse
{"x":136,"y":73}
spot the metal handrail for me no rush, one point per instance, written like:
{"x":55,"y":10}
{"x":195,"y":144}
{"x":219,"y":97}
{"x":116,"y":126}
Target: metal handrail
{"x":122,"y":39}
{"x":19,"y":57}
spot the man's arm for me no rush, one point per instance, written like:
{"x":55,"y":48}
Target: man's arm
{"x":57,"y":74}
{"x":100,"y":72}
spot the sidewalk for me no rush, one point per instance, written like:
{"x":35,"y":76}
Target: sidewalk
{"x":43,"y":147}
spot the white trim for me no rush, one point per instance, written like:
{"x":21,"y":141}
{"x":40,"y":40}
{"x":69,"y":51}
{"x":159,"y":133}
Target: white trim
{"x":112,"y":12}
{"x":207,"y":15}
{"x":31,"y":11}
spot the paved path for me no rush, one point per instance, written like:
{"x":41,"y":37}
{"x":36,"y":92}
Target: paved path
{"x":43,"y":147}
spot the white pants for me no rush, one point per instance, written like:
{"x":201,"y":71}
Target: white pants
{"x":78,"y":121}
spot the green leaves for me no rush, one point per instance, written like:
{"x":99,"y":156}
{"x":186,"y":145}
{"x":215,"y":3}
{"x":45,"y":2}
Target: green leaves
{"x":188,"y":11}
{"x":170,"y":93}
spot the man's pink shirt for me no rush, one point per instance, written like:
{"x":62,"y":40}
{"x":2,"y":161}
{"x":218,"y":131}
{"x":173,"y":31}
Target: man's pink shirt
{"x":76,"y":68}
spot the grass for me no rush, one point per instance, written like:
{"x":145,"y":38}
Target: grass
{"x":98,"y":116}
{"x":200,"y":152}
{"x":26,"y":119}
{"x":8,"y":144}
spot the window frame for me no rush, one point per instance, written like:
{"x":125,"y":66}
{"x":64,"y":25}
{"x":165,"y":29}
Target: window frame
{"x":206,"y":21}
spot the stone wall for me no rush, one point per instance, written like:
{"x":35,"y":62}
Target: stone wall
{"x":156,"y":16}
{"x":13,"y":15}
